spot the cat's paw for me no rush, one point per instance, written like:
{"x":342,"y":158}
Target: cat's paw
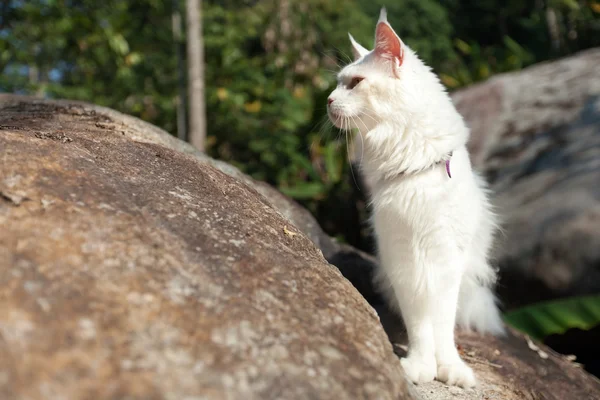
{"x":456,"y":373}
{"x":419,"y":369}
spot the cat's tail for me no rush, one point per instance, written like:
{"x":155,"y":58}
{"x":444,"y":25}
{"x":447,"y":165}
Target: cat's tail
{"x":478,"y":308}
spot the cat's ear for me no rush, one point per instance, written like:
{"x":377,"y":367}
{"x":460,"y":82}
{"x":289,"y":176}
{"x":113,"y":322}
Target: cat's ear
{"x":357,"y":50}
{"x":387,"y":44}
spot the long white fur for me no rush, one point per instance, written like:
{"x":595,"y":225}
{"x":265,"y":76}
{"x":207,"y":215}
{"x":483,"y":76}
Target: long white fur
{"x":434,"y":233}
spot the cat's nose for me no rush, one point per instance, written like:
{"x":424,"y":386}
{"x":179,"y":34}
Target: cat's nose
{"x":329,"y":101}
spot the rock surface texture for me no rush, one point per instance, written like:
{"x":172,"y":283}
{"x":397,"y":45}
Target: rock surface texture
{"x":130,"y":269}
{"x":507,"y":368}
{"x":536,"y":135}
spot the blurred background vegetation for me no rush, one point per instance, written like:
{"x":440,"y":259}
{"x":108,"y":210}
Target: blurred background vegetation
{"x":269,"y":66}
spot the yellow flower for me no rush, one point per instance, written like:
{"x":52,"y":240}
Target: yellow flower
{"x":222,"y":93}
{"x":299,"y":92}
{"x":253,"y":107}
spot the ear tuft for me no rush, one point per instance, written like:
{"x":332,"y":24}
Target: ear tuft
{"x":357,"y":50}
{"x":382,"y":15}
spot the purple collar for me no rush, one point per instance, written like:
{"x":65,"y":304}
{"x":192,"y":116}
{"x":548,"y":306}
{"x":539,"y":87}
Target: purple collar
{"x":445,"y":160}
{"x":448,"y":165}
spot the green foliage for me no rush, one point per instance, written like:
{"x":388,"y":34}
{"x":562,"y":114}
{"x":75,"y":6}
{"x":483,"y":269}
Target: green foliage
{"x":269,"y":69}
{"x":493,"y":36}
{"x":556,"y":317}
{"x":424,"y":25}
{"x":93,"y":51}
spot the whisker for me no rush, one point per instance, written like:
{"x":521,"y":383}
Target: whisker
{"x":362,"y":143}
{"x":366,"y":112}
{"x":362,"y":122}
{"x":350,"y":163}
{"x":362,"y":148}
{"x":344,"y":56}
{"x":324,"y":128}
{"x":348,"y":157}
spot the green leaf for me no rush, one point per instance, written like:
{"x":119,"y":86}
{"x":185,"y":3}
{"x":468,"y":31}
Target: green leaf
{"x":333,"y":164}
{"x":306,"y":165}
{"x":119,"y":44}
{"x":309,"y":190}
{"x":462,"y":46}
{"x":556,"y":317}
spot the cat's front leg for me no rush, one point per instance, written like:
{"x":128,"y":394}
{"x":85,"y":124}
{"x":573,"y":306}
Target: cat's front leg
{"x":451,"y":369}
{"x":427,"y":295}
{"x":420,"y":363}
{"x":398,"y":282}
{"x":399,"y":278}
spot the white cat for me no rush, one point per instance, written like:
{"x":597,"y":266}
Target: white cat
{"x":431,"y":215}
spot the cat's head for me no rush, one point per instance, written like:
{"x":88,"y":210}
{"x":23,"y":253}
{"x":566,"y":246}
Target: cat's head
{"x":378,"y":83}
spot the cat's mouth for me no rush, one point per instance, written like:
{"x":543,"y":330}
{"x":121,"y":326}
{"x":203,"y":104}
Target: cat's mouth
{"x":336,"y":118}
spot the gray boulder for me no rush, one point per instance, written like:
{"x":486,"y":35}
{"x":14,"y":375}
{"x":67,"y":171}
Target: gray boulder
{"x":536,"y":135}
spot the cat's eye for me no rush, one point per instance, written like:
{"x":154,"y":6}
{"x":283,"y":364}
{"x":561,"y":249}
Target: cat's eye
{"x":355,"y":81}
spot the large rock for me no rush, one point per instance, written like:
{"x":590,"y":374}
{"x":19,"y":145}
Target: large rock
{"x":508,"y":368}
{"x":131,"y":270}
{"x":355,"y":265}
{"x":536,"y":135}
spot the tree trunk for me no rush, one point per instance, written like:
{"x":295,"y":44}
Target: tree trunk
{"x":195,"y":54}
{"x":180,"y":99}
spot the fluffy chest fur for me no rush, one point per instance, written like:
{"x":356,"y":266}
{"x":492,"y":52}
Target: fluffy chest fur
{"x":411,"y":208}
